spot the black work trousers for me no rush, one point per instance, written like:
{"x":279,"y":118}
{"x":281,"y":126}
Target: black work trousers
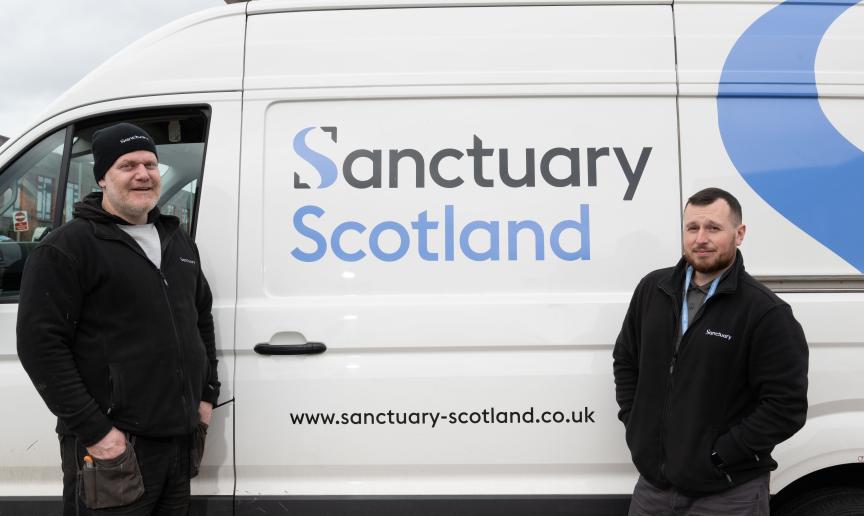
{"x":164,"y":467}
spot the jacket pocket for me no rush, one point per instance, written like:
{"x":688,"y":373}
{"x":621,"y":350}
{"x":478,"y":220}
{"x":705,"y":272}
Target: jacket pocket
{"x":114,"y":378}
{"x":111,"y":482}
{"x":196,"y":448}
{"x":689,"y":465}
{"x":628,"y":420}
{"x":710,"y":473}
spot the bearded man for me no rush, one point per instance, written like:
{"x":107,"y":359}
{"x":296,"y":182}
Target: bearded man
{"x":710,"y":374}
{"x":115,"y":330}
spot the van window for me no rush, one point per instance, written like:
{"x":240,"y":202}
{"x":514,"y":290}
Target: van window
{"x":180,"y":140}
{"x":38,"y":191}
{"x":28,"y":199}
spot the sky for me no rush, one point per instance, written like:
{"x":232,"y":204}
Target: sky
{"x":46,"y":46}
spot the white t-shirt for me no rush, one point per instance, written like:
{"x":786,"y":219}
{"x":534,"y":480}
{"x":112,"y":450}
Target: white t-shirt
{"x":148,"y":238}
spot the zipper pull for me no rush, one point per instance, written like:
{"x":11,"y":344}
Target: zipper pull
{"x":672,"y":365}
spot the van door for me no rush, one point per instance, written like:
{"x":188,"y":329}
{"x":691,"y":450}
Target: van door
{"x":443,"y":214}
{"x":198,"y":149}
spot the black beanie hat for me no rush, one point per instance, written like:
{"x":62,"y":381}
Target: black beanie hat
{"x":111,"y":142}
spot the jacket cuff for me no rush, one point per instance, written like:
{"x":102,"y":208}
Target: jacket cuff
{"x":210,"y":395}
{"x":730,"y":451}
{"x":93,"y":430}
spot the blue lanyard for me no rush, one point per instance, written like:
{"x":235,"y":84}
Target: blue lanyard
{"x":685,"y":312}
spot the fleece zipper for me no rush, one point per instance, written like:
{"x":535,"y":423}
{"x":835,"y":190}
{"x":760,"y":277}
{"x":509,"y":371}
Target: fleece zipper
{"x":677,"y":346}
{"x":673,"y":363}
{"x":164,"y":284}
{"x":181,"y":365}
{"x":670,"y":380}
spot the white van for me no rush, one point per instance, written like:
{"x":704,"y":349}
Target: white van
{"x":422,"y":222}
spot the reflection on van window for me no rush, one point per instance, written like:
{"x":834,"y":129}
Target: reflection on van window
{"x":180,"y":146}
{"x":28,"y":198}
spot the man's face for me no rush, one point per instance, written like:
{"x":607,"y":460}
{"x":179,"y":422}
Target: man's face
{"x":132,"y":186}
{"x":711,"y":236}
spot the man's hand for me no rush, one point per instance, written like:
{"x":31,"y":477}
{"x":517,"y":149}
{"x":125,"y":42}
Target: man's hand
{"x":111,"y":446}
{"x":205,"y":410}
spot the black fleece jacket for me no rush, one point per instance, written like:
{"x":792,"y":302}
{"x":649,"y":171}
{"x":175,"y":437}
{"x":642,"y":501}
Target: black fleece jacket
{"x":737,"y":385}
{"x":107,"y":338}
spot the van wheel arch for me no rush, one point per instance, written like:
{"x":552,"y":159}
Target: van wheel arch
{"x":834,"y":491}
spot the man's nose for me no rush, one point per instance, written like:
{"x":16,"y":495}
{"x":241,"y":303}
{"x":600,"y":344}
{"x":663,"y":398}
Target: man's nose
{"x":141,"y":172}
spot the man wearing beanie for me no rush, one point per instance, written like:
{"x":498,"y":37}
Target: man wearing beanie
{"x":116,"y":333}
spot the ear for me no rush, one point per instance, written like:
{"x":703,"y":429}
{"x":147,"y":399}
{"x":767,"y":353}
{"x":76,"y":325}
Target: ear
{"x":101,"y":183}
{"x":739,"y":234}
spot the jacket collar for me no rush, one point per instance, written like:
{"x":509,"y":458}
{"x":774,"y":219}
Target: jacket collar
{"x":104,"y":223}
{"x":673,"y":283}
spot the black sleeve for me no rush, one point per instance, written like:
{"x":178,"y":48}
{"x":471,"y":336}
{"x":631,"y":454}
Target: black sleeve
{"x":778,"y":364}
{"x":625,"y":358}
{"x":48,"y":313}
{"x":204,"y":304}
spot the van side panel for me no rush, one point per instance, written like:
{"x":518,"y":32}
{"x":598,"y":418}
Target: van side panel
{"x":771,"y":106}
{"x":460,"y":216}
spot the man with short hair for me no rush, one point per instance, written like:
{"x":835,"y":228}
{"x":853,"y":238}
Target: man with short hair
{"x":116,"y":332}
{"x":710,"y":374}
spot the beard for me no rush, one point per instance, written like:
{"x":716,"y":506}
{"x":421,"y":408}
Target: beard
{"x":127,"y":207}
{"x":718,"y":262}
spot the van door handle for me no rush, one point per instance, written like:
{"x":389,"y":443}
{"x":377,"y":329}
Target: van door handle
{"x":310,"y":348}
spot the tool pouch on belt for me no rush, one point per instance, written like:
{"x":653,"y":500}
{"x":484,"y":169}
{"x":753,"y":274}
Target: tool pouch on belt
{"x":196,"y":448}
{"x":111,"y":482}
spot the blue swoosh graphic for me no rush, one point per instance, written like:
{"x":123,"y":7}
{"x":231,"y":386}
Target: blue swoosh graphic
{"x":777,"y":135}
{"x":324,"y":165}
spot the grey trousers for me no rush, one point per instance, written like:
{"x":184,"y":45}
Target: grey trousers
{"x":749,"y":499}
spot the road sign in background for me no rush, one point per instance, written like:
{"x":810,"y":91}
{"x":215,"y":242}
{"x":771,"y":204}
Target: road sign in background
{"x":22,"y":222}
